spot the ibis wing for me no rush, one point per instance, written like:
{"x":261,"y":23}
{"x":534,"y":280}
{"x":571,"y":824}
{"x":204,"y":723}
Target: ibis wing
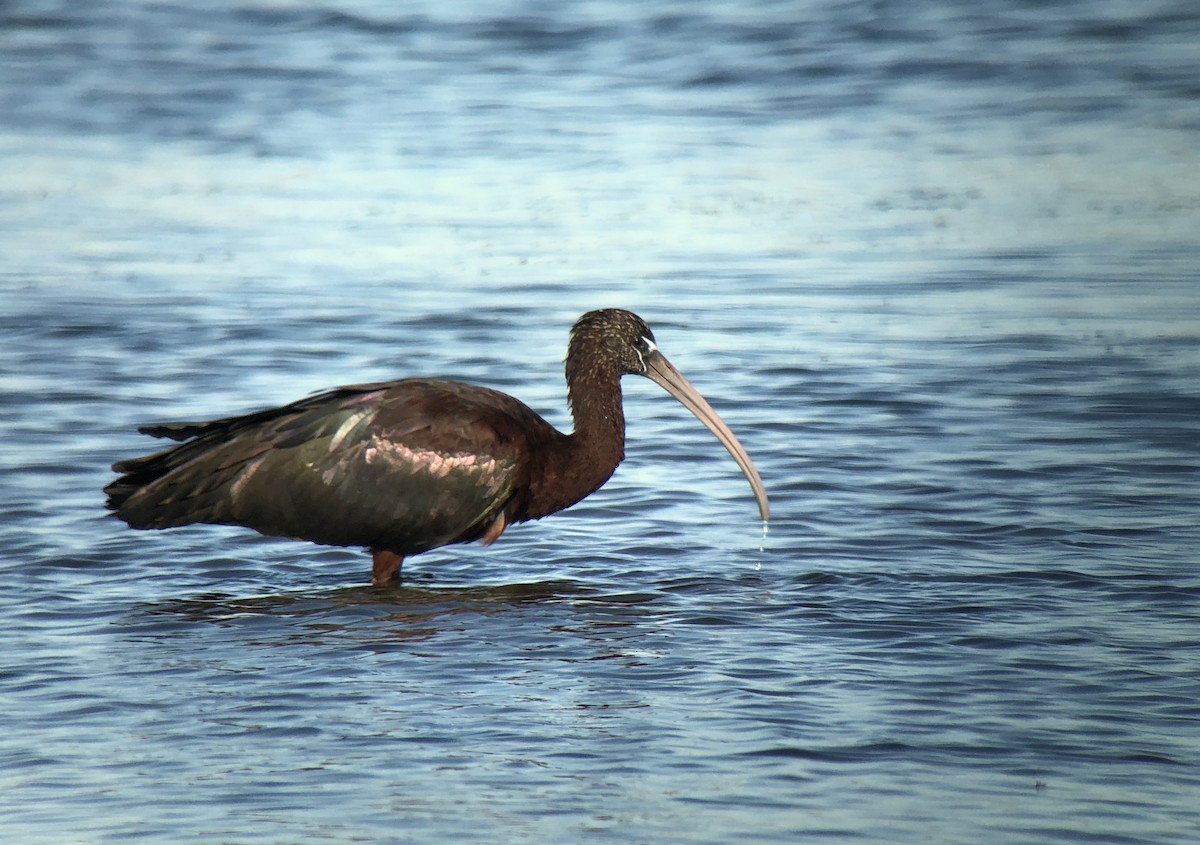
{"x":405,"y":466}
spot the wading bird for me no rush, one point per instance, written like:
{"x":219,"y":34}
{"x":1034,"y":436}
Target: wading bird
{"x":401,"y":467}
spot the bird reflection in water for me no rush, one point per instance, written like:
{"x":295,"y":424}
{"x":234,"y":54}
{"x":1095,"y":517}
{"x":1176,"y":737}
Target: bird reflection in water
{"x":363,"y":616}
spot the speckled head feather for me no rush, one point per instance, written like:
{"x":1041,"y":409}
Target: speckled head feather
{"x":616,"y":336}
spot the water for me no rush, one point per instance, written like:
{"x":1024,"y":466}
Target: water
{"x":935,"y":263}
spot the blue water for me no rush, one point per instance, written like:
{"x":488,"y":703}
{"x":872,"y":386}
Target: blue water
{"x":935,"y":263}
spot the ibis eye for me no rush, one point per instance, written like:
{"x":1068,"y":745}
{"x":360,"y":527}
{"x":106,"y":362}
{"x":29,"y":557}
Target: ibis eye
{"x":644,"y":347}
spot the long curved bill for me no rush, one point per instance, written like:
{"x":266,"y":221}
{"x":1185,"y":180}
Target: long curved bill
{"x":660,"y":371}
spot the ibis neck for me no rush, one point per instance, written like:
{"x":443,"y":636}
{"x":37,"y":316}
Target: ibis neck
{"x":599,"y":436}
{"x":587,"y":458}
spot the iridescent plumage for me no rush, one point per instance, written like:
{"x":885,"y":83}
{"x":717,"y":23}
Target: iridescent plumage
{"x":406,"y":466}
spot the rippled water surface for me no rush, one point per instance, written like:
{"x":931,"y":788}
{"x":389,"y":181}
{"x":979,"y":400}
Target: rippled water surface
{"x":935,"y":263}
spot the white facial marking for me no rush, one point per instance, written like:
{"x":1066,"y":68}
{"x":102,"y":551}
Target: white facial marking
{"x":650,"y":347}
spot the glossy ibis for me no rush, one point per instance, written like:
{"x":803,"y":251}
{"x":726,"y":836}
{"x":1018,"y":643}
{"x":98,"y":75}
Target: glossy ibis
{"x":401,"y":467}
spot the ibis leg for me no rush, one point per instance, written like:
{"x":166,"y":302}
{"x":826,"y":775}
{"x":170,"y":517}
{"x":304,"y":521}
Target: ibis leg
{"x":494,"y":530}
{"x":385,"y":566}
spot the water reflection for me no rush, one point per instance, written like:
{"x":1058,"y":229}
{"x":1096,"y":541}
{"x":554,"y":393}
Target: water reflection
{"x":406,"y":612}
{"x":217,"y":607}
